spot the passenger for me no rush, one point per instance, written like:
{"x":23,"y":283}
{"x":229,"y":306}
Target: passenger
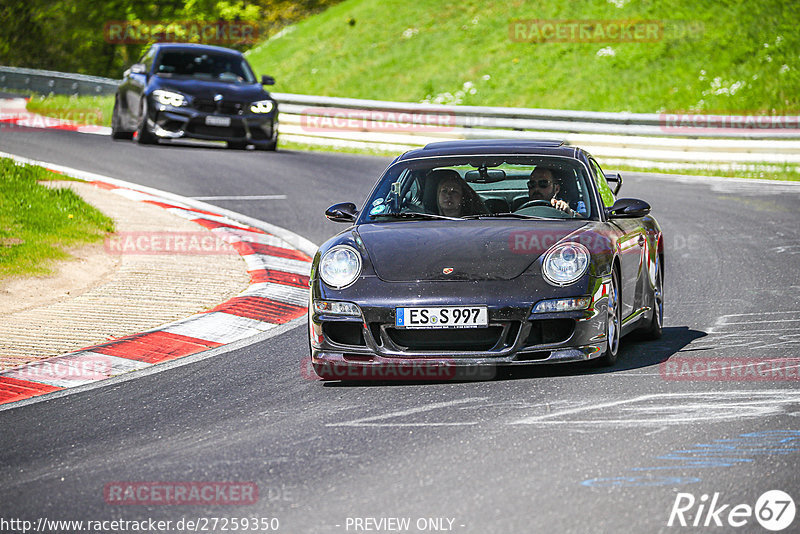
{"x":543,"y":185}
{"x":454,"y":197}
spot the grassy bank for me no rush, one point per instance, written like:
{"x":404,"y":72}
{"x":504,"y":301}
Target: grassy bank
{"x":734,"y":56}
{"x":90,"y":110}
{"x":38,"y":224}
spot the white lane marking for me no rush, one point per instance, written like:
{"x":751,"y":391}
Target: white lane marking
{"x":218,"y":327}
{"x":370,"y":421}
{"x":765,"y":321}
{"x":246,"y":197}
{"x":722,"y":321}
{"x":759,"y":313}
{"x":745,"y":333}
{"x":674,"y":408}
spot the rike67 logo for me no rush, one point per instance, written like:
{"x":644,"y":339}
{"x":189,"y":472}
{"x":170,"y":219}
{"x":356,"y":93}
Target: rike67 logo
{"x":774,"y":510}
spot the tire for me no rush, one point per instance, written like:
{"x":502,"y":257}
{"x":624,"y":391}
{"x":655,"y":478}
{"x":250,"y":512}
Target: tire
{"x":237,"y":145}
{"x":143,"y":135}
{"x":116,"y":129}
{"x":655,"y":328}
{"x":269,"y":147}
{"x":613,"y":324}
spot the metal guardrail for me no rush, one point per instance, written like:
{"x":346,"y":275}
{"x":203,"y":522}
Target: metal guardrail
{"x":478,"y":118}
{"x":630,"y":138}
{"x":51,"y":82}
{"x":649,"y":138}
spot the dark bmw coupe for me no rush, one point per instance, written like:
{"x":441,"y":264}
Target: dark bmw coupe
{"x":485,"y":253}
{"x":195,"y":91}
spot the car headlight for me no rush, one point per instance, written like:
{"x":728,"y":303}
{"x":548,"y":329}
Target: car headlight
{"x":565,"y":263}
{"x":340,"y":266}
{"x":262,"y":106}
{"x":169,"y":98}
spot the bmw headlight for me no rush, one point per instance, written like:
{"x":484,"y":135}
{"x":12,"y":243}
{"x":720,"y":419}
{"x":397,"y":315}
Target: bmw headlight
{"x":565,"y":263}
{"x":262,"y":106}
{"x":169,"y":98}
{"x":340,"y":266}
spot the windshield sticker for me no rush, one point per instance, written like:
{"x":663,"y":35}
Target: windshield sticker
{"x":377,"y":210}
{"x":377,"y":201}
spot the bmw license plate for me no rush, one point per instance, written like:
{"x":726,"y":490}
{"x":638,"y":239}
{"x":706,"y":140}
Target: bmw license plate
{"x":442,"y":317}
{"x":212,"y":120}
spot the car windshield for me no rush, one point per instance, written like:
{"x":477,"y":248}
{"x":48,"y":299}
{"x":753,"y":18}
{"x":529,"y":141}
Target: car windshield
{"x":204,"y":66}
{"x":476,"y":187}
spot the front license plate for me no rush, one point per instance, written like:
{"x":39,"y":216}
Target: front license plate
{"x":212,"y":120}
{"x":442,"y":317}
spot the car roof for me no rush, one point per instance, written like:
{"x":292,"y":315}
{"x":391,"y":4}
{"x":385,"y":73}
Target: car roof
{"x":196,"y":47}
{"x":552,"y":147}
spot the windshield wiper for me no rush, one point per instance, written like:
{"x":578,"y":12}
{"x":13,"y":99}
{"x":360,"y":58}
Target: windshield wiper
{"x":509,"y":214}
{"x":415,"y":215}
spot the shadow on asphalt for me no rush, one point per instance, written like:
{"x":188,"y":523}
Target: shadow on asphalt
{"x":633,"y":354}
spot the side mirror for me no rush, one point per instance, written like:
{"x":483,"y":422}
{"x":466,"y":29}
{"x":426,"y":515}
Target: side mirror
{"x":614,"y":178}
{"x":138,"y":68}
{"x":343,"y":212}
{"x":267,"y":80}
{"x":628,"y":208}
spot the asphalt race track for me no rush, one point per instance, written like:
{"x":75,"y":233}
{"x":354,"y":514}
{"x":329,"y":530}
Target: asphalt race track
{"x":556,"y":449}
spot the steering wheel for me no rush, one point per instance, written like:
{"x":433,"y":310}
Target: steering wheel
{"x":532,"y":203}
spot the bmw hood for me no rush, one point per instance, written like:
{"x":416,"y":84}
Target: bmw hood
{"x":499,"y":249}
{"x":206,"y":90}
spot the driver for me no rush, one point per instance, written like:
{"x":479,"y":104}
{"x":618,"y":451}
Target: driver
{"x":543,"y":185}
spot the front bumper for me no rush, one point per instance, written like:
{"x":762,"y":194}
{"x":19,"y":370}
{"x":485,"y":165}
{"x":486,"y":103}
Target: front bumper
{"x":167,"y":122}
{"x":514,"y":337}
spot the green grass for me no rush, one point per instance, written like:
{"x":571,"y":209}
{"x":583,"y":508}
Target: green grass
{"x":736,"y":56}
{"x":38,"y":224}
{"x":90,"y":110}
{"x":759,"y":171}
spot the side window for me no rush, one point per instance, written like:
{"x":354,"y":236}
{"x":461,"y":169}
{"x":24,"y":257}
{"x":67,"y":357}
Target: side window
{"x":148,"y":58}
{"x":606,"y":193}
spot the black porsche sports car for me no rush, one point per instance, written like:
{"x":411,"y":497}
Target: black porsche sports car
{"x":485,"y":253}
{"x":197,"y":91}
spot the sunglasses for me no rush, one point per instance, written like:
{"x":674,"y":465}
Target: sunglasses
{"x":542,"y":184}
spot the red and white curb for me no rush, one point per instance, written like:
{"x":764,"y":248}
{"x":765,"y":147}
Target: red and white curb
{"x":278,"y":293}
